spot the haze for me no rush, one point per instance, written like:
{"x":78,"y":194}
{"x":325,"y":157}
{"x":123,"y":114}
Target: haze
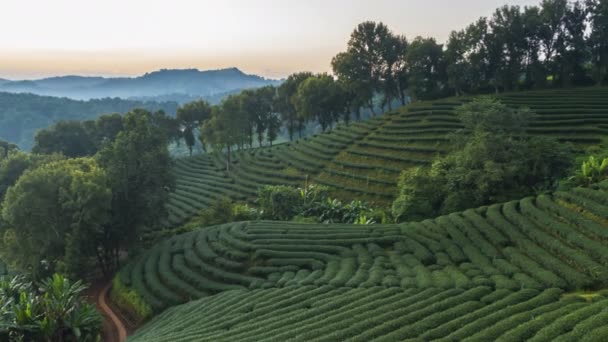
{"x":271,"y":38}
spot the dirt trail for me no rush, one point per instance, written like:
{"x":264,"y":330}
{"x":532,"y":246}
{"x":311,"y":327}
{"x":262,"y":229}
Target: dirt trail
{"x":114,"y":329}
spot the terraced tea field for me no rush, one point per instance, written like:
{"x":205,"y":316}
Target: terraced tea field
{"x":327,"y":313}
{"x":502,"y":272}
{"x":363,"y":160}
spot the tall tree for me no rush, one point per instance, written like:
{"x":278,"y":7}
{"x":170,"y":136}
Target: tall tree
{"x":362,"y":63}
{"x":285,"y":102}
{"x":598,"y":38}
{"x":508,"y":31}
{"x":190,"y":116}
{"x":393,"y":66}
{"x":227,"y":127}
{"x":319,"y":98}
{"x":138,"y":167}
{"x":553,"y":34}
{"x":427,"y":75}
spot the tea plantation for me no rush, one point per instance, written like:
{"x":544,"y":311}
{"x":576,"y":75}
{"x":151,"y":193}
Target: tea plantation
{"x":506,"y":272}
{"x":363,"y":160}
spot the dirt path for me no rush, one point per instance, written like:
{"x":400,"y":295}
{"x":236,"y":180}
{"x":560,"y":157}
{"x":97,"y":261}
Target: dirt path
{"x":114,"y":329}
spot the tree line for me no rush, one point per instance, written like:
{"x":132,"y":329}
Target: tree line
{"x":559,"y":43}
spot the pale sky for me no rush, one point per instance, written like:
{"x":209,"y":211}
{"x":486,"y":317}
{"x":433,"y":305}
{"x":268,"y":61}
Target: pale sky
{"x":272,"y":38}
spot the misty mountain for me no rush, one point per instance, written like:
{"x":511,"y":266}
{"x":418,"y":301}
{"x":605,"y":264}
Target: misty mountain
{"x":168,"y":84}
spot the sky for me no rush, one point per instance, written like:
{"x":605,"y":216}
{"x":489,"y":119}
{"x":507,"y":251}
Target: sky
{"x":272,"y":38}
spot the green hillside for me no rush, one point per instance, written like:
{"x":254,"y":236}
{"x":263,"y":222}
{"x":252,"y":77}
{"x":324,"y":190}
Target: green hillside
{"x":363,"y":160}
{"x":328,"y":313}
{"x":481,"y":273}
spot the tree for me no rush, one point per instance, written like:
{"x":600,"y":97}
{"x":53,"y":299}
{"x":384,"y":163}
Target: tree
{"x":17,"y":163}
{"x":552,"y":34}
{"x":319,"y":98}
{"x":426,"y":68}
{"x":257,"y":107}
{"x":285,"y":103}
{"x":362,"y":66}
{"x":7,"y":149}
{"x":274,"y":127}
{"x":508,"y":32}
{"x":496,"y":162}
{"x":393,"y":61}
{"x":107,"y":128}
{"x":227,"y":127}
{"x":486,"y":114}
{"x":69,"y":138}
{"x":55,"y":217}
{"x":598,"y":38}
{"x":190,"y":116}
{"x":458,"y":68}
{"x":139,"y":174}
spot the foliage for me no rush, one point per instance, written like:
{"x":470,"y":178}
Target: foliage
{"x":221,"y":211}
{"x":494,"y":164}
{"x":17,"y":163}
{"x":279,"y":202}
{"x":6,"y":149}
{"x":51,"y":311}
{"x":322,"y":99}
{"x":138,"y":169}
{"x":190,"y":116}
{"x":592,"y":171}
{"x":285,"y":203}
{"x":127,"y":299}
{"x":487,"y":114}
{"x":334,"y":211}
{"x":24,"y":114}
{"x":285,"y":103}
{"x":55,"y":217}
{"x":69,"y":138}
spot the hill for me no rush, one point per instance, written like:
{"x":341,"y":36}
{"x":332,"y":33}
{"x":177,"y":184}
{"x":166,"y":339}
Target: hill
{"x":169,"y":84}
{"x":507,"y":272}
{"x":21,"y":115}
{"x":363,"y":160}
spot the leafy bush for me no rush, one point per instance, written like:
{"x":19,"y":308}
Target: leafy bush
{"x":279,"y":202}
{"x":243,"y":212}
{"x":128,"y":300}
{"x":593,"y":170}
{"x":495,"y":163}
{"x":51,"y":311}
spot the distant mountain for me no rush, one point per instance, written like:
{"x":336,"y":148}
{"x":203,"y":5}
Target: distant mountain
{"x":169,"y":84}
{"x":21,"y":115}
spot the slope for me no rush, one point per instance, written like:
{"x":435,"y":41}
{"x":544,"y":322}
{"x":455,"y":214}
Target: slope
{"x":363,"y":160}
{"x":514,"y":260}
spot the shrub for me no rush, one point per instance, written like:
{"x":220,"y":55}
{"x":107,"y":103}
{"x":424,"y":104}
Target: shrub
{"x":279,"y":202}
{"x":129,"y":300}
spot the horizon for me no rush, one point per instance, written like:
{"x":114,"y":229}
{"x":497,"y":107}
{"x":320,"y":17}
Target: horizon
{"x":269,"y":38}
{"x":139,"y":75}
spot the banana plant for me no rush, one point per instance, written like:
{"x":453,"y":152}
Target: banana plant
{"x":593,"y":170}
